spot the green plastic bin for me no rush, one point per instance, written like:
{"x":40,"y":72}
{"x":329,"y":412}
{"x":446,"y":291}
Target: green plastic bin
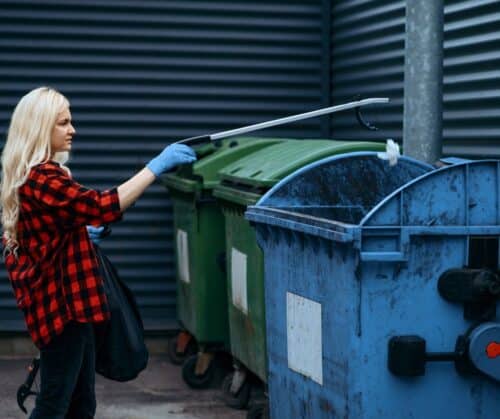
{"x":200,"y":239}
{"x":242,"y":184}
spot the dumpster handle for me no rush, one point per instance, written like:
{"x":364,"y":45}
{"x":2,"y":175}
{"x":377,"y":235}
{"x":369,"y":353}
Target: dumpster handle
{"x":393,"y":255}
{"x":293,"y":118}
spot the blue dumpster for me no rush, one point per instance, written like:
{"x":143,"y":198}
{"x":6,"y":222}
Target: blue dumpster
{"x":382,"y":289}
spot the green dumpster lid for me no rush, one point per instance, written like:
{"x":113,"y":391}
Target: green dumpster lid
{"x":245,"y":180}
{"x":203,"y":174}
{"x":266,"y":167}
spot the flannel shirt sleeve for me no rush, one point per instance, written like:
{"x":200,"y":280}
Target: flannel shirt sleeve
{"x":74,"y":204}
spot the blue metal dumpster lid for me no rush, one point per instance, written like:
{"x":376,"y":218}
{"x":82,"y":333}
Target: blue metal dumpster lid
{"x":461,"y":196}
{"x":335,"y":192}
{"x":458,"y":200}
{"x":342,"y":198}
{"x":343,"y":187}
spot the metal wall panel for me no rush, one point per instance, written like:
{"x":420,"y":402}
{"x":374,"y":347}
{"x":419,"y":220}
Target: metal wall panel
{"x":140,"y":74}
{"x":368,"y":59}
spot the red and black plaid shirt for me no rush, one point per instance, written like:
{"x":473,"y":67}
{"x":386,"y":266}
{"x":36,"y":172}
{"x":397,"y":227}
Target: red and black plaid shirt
{"x":56,"y":276}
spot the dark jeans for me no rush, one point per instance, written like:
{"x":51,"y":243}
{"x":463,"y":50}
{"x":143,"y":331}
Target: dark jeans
{"x":67,"y":375}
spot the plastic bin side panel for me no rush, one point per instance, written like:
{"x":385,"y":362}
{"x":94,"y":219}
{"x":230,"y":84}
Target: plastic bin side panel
{"x":199,"y":242}
{"x":403,"y":300}
{"x":245,"y":268}
{"x":212,"y":315}
{"x":312,"y":303}
{"x":184,"y":214}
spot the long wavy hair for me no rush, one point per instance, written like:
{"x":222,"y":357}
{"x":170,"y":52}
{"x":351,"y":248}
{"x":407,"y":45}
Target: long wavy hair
{"x":28,"y":144}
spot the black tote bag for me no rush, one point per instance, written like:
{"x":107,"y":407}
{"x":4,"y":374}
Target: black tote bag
{"x":121,"y":353}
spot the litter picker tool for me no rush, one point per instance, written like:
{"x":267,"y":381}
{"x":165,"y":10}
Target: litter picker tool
{"x":25,"y":389}
{"x":356,"y":105}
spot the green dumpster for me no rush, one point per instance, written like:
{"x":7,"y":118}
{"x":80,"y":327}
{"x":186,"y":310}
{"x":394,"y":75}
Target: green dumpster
{"x":200,"y":246}
{"x":242,"y":184}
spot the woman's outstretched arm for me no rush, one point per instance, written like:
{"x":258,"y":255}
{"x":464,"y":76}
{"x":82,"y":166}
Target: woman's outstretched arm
{"x":132,"y":189}
{"x":170,"y":157}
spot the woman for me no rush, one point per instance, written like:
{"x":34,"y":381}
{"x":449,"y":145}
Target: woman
{"x":51,"y":263}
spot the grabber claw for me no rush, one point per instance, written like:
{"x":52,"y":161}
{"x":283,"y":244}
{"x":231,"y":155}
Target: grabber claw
{"x":24,"y":391}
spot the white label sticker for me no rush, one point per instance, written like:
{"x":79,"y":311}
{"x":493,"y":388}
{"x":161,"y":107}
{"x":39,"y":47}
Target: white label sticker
{"x":239,"y":279}
{"x":183,"y":256}
{"x":304,"y":337}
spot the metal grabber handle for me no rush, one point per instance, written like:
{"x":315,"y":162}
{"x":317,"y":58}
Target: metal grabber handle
{"x":286,"y":120}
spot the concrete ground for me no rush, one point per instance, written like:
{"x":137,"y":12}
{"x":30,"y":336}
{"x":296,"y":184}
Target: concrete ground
{"x":158,"y":393}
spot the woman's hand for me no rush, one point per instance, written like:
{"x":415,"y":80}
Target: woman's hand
{"x":170,"y":157}
{"x":96,"y":234}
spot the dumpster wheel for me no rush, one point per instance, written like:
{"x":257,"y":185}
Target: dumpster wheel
{"x":194,"y":380}
{"x":258,"y":411}
{"x":188,"y":348}
{"x":241,"y":398}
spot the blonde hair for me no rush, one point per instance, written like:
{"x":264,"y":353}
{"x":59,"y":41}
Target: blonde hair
{"x":28,"y":144}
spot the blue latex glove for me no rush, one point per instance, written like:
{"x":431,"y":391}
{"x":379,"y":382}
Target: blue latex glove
{"x":95,"y":233}
{"x":171,"y":156}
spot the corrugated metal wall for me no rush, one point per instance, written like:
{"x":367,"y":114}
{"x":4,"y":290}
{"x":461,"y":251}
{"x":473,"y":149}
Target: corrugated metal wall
{"x":368,"y":59}
{"x":140,"y":74}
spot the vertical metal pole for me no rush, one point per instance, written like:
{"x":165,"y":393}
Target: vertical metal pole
{"x":423,"y":85}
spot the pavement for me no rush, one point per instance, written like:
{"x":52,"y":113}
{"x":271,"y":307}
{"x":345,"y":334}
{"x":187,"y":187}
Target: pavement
{"x":158,"y":393}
